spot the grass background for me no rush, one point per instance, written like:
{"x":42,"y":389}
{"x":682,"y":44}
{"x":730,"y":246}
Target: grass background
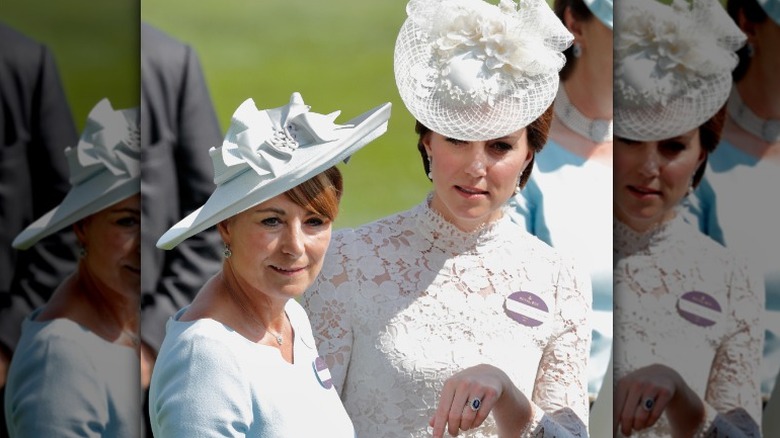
{"x":338,"y":54}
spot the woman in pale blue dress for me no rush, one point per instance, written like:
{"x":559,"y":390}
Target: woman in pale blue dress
{"x":240,"y":360}
{"x":75,"y":372}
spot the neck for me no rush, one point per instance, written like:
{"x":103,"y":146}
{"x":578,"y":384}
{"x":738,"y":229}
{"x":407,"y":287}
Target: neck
{"x":469,"y":225}
{"x":760,"y":93}
{"x":254,"y":306}
{"x":592,"y":96}
{"x":118,"y":314}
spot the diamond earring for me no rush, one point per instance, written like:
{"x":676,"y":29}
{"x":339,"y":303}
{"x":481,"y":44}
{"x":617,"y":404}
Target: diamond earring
{"x":227,"y":252}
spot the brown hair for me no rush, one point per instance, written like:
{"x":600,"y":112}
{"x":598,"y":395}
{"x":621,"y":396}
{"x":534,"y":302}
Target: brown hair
{"x":536,"y":134}
{"x":754,"y":13}
{"x":580,"y":12}
{"x":320,"y":194}
{"x":709,"y":137}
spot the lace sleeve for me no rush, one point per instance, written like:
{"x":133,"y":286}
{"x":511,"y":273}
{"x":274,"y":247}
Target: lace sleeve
{"x":329,"y":316}
{"x":733,"y":400}
{"x":560,"y":397}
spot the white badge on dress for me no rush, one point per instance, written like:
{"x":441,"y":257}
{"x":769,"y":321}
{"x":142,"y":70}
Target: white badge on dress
{"x":322,"y":372}
{"x":699,"y":308}
{"x":527,"y":308}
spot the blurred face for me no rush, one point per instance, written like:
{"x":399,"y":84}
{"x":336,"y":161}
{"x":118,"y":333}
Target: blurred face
{"x":277,"y":247}
{"x":473,"y":179}
{"x":112,"y":238}
{"x":651,"y":178}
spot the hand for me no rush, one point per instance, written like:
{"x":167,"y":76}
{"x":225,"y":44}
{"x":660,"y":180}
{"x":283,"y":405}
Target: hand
{"x":484,"y":382}
{"x":642,"y":396}
{"x":147,"y":365}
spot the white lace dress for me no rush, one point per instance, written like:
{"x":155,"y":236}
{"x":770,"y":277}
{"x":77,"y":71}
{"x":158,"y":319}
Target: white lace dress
{"x":405,"y":302}
{"x":684,"y":301}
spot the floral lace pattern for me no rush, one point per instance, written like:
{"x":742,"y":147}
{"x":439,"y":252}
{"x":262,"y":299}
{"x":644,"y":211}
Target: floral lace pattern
{"x":674,"y":280}
{"x":404,"y":303}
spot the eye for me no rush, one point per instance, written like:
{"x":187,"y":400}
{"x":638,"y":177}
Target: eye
{"x":501,"y":147}
{"x":317,"y":221}
{"x":271,"y":221}
{"x":128,"y":221}
{"x":673,"y":147}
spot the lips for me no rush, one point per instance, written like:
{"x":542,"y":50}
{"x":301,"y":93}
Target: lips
{"x":133,"y":270}
{"x":288,"y":271}
{"x":643,"y":191}
{"x":471,"y":190}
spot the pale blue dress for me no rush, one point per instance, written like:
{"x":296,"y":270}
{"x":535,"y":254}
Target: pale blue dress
{"x":737,"y":205}
{"x":210,"y":381}
{"x":65,"y":381}
{"x":567,"y":203}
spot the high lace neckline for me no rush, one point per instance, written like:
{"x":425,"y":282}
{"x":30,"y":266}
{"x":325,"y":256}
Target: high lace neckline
{"x":444,"y":235}
{"x":628,"y":241}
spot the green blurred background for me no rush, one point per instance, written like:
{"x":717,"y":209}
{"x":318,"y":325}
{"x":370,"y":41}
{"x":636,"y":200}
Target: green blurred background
{"x":338,"y":54}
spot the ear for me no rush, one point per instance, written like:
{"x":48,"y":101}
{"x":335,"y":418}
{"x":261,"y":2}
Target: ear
{"x":747,"y":26}
{"x":80,"y":229}
{"x":426,"y":142}
{"x":224,"y":230}
{"x":574,"y":25}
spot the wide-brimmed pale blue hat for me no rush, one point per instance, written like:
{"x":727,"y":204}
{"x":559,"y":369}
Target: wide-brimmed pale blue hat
{"x":602,"y":9}
{"x":104,"y":169}
{"x":772,"y":8}
{"x":266,"y":153}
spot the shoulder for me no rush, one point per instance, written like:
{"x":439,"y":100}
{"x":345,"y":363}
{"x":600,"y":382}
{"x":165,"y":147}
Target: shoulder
{"x":161,"y":52}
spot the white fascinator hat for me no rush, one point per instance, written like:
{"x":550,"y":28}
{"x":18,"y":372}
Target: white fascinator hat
{"x":266,"y":153}
{"x":104,"y":169}
{"x":672,"y":66}
{"x":475,"y":71}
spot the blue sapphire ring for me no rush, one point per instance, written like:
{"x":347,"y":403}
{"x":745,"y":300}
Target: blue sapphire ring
{"x":648,"y":404}
{"x":475,"y":403}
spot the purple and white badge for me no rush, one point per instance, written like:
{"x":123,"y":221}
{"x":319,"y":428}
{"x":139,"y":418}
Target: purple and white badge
{"x":322,"y":372}
{"x":527,"y":308}
{"x":699,"y":308}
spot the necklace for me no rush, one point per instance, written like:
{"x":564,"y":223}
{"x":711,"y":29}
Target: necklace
{"x":766,"y":129}
{"x":243,"y":306}
{"x":598,"y":130}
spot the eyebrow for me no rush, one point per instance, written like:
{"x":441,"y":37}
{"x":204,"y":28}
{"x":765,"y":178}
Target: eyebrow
{"x":269,"y":210}
{"x":127,"y":210}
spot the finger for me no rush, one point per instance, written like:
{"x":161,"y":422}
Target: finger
{"x":661,"y":401}
{"x":443,"y":409}
{"x":641,"y":413}
{"x":470,"y":414}
{"x":456,"y":410}
{"x":629,"y":408}
{"x":488,"y":401}
{"x":619,"y":393}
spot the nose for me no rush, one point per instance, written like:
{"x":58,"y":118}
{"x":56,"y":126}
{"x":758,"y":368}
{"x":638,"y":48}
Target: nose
{"x":651,"y":163}
{"x":293,"y":241}
{"x":477,"y":167}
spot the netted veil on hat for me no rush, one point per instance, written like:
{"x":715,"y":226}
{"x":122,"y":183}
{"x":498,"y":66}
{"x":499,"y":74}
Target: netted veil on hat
{"x":475,"y":71}
{"x":672,"y":68}
{"x":266,"y":153}
{"x":104,"y":169}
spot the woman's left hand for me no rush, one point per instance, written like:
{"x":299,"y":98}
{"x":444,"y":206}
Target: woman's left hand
{"x":484,"y":383}
{"x":642,"y":396}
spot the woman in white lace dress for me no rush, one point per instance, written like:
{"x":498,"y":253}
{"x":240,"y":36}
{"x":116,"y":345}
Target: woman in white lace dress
{"x":687,"y":311}
{"x":449,"y":316}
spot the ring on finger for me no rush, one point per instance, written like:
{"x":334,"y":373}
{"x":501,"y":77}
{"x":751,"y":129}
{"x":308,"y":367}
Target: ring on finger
{"x":648,"y":404}
{"x":475,"y":404}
